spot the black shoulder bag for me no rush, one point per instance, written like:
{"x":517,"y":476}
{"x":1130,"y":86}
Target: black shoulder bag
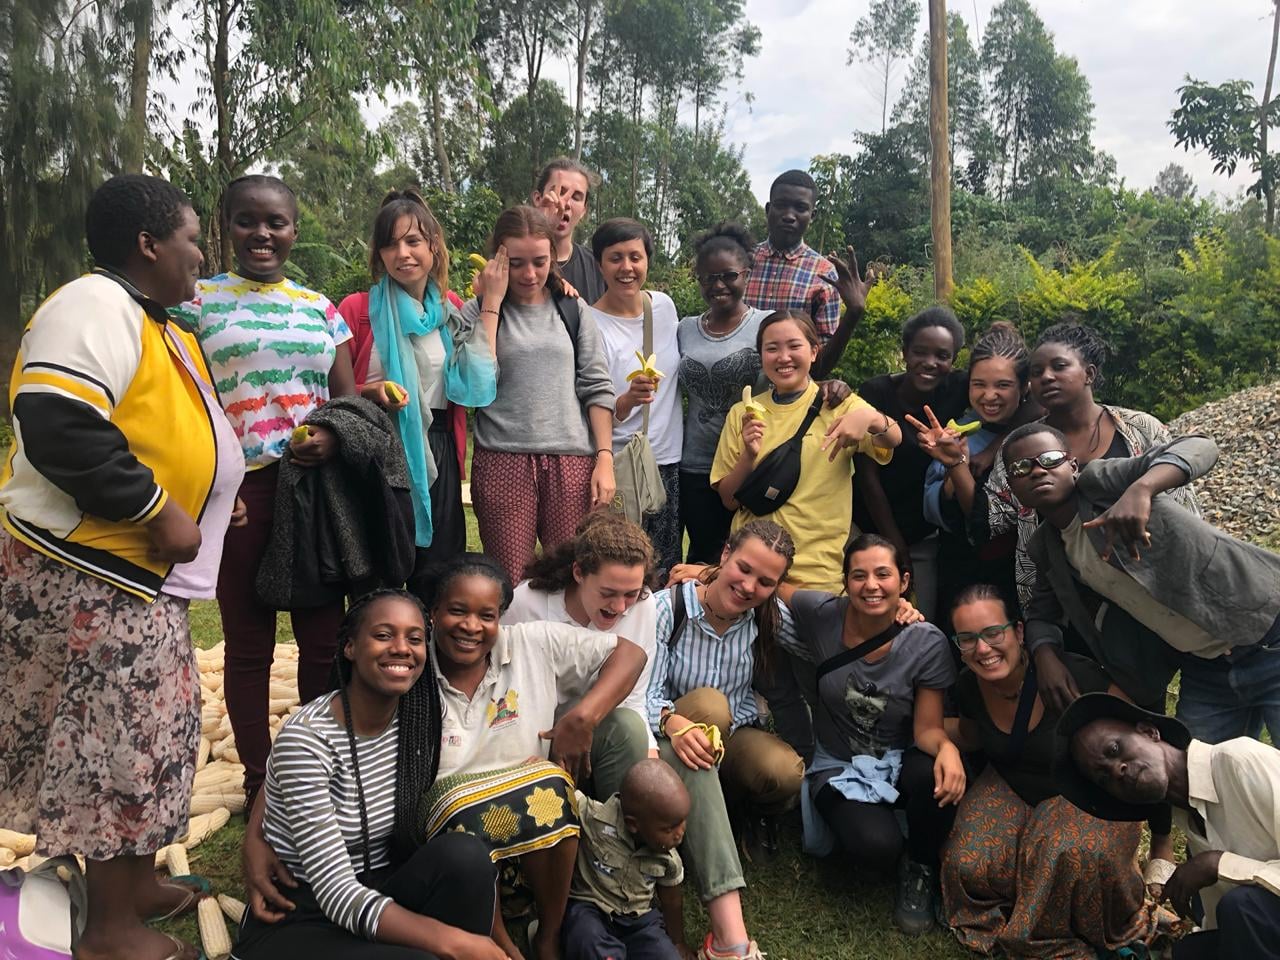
{"x":846,"y":657}
{"x":772,"y":481}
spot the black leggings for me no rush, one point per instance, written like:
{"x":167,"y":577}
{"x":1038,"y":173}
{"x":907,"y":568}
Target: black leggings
{"x":450,"y":879}
{"x":869,"y":832}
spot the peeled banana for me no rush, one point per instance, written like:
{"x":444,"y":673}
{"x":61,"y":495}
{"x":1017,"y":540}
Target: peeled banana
{"x":754,"y":408}
{"x":300,"y":433}
{"x":648,"y":368}
{"x":964,"y":429}
{"x":395,"y":392}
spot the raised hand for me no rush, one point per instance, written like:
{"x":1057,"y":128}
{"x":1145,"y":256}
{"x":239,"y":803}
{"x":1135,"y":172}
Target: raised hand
{"x":851,"y":287}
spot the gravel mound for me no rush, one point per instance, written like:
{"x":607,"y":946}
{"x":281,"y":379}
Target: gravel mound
{"x":1242,"y":493}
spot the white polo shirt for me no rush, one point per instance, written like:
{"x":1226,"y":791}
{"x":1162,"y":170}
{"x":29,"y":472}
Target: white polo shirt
{"x":533,"y":667}
{"x":637,"y":625}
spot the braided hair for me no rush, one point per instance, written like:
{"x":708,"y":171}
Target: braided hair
{"x":421,"y":717}
{"x":1087,"y":342}
{"x":1002,"y":339}
{"x":602,"y":537}
{"x":768,"y":619}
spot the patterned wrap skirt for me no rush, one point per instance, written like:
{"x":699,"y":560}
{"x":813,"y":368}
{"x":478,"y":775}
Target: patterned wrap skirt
{"x":514,"y":811}
{"x":1043,"y":881}
{"x":100,"y":718}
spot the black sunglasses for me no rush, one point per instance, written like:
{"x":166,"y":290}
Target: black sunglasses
{"x":727,"y":277}
{"x":1048,"y":460}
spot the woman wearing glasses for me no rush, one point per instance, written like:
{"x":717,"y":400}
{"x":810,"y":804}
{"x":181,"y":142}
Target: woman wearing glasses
{"x":1024,"y":872}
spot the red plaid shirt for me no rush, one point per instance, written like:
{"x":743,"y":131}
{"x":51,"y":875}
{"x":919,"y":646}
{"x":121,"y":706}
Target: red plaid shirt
{"x":792,"y":279}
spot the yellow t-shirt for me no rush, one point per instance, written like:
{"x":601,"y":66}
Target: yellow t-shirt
{"x":819,"y":513}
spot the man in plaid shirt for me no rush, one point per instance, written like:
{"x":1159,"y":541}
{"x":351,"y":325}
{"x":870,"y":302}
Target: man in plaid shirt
{"x":786,"y":273}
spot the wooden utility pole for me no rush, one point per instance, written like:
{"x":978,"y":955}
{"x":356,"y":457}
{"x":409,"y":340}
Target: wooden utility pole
{"x":940,"y":152}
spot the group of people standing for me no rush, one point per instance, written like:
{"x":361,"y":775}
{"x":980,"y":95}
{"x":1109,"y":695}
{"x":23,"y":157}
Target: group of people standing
{"x":918,"y":611}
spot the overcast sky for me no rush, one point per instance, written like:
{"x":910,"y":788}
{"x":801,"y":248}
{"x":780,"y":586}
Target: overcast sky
{"x":1134,"y":54}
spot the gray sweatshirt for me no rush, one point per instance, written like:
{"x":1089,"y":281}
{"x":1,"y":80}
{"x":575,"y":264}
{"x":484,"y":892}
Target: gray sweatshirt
{"x":542,"y":400}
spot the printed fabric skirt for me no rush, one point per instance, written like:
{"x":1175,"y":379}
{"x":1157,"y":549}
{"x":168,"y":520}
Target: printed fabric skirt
{"x":100,"y":718}
{"x":1043,"y":881}
{"x":514,"y":811}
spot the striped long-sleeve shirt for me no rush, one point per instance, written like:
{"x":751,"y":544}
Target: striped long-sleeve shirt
{"x":313,"y":811}
{"x":701,"y":658}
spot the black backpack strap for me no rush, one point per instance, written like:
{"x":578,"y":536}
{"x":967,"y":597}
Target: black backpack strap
{"x":571,"y":316}
{"x":1026,"y":703}
{"x":846,"y":657}
{"x":679,"y":614}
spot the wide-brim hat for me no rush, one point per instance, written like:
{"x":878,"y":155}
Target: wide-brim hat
{"x":1078,"y":788}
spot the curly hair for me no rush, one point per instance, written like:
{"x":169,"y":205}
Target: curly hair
{"x":935,"y":316}
{"x":240,"y":184}
{"x":1087,"y":342}
{"x":602,"y":537}
{"x":396,"y":205}
{"x":125,"y":206}
{"x":768,"y":619}
{"x":724,"y":237}
{"x":421,"y":717}
{"x":1002,"y":339}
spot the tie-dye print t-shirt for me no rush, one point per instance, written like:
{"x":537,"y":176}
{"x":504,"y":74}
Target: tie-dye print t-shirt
{"x":270,"y":347}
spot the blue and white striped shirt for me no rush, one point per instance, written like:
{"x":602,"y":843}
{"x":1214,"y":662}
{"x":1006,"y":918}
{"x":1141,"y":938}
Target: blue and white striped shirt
{"x":702,"y":658}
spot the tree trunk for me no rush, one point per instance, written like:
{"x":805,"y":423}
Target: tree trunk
{"x":1269,"y":174}
{"x":884,"y":97}
{"x":133,"y":146}
{"x":939,"y":155}
{"x":437,"y":140}
{"x":223,"y":161}
{"x":584,"y":46}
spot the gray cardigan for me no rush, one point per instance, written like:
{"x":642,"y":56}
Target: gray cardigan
{"x":1225,"y":586}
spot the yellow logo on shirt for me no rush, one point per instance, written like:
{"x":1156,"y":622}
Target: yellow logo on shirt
{"x":503,"y":711}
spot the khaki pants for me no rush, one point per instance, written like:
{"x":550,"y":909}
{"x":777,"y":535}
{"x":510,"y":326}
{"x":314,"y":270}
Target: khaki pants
{"x":757,"y":767}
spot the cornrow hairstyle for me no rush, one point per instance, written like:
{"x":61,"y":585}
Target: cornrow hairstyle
{"x":935,"y":316}
{"x":978,"y":592}
{"x":569,"y":165}
{"x":768,"y":619}
{"x":125,"y":206}
{"x":602,"y":537}
{"x":800,"y":318}
{"x":421,"y":717}
{"x":1002,"y":339}
{"x":794,"y":178}
{"x":724,"y":237}
{"x":239,"y":184}
{"x":620,"y":230}
{"x":1030,"y":430}
{"x":516,"y":223}
{"x":1084,"y":340}
{"x":395,"y":206}
{"x":469,"y":565}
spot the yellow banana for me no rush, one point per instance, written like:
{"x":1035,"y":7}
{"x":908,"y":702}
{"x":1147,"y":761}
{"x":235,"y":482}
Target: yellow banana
{"x":648,"y":368}
{"x":477,"y":261}
{"x":964,"y":429}
{"x":395,"y":393}
{"x":300,"y":434}
{"x":755,"y":409}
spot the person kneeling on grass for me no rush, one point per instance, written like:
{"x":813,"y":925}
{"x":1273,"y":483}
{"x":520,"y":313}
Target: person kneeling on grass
{"x":343,"y":785}
{"x":1117,"y":761}
{"x":627,"y":848}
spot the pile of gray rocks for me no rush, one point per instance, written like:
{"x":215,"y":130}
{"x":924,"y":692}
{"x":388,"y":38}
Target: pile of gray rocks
{"x":1242,"y":493}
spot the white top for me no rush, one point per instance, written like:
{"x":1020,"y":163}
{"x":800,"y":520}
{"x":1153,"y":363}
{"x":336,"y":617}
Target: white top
{"x":428,"y":354}
{"x":533,"y":668}
{"x":1235,"y":787}
{"x":637,"y":625}
{"x":623,"y":338}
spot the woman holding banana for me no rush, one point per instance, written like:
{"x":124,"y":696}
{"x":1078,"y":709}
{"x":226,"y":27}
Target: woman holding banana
{"x":622,"y":247}
{"x":415,"y":354}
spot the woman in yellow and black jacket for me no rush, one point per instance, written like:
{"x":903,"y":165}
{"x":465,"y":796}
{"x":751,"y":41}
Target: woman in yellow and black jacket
{"x":116,"y":495}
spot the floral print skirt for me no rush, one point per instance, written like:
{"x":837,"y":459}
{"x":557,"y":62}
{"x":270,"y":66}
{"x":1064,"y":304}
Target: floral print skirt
{"x":1043,"y":881}
{"x":100,"y":717}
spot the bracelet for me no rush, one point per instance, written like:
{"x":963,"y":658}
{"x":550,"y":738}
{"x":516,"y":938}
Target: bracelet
{"x":662,"y":723}
{"x":484,"y":310}
{"x":964,"y":458}
{"x":603,"y":450}
{"x":888,"y":424}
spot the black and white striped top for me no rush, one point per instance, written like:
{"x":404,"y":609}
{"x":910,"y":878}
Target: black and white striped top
{"x":313,"y":811}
